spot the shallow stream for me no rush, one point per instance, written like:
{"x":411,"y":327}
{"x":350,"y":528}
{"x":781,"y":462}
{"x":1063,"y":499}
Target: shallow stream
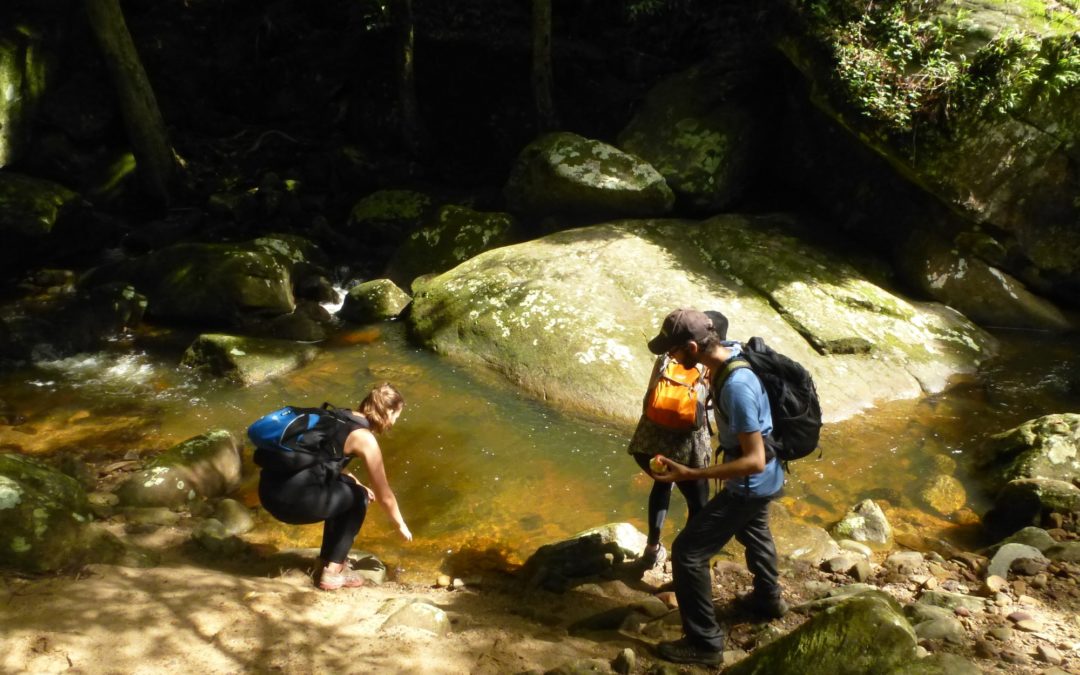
{"x":485,"y":475}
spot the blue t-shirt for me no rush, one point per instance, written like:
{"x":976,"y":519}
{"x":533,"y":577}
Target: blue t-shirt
{"x":744,"y":406}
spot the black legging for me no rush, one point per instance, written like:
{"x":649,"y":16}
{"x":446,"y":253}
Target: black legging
{"x":306,"y":497}
{"x":696,"y":493}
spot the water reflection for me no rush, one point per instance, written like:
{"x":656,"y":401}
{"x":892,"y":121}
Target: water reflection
{"x":485,"y":475}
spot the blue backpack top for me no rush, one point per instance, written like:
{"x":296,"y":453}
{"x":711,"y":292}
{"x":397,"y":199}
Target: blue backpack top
{"x":292,"y":439}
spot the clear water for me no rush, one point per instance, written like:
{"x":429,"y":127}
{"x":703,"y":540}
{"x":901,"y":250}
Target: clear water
{"x":485,"y":475}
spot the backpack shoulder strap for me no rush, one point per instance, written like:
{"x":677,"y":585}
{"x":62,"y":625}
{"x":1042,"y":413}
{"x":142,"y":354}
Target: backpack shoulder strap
{"x":729,"y":368}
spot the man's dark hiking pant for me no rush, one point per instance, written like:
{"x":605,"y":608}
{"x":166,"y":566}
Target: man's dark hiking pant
{"x":305,"y":498}
{"x":724,"y":517}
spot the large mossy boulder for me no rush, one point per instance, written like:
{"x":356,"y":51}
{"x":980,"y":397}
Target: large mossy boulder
{"x":205,"y":466}
{"x":1046,"y":447}
{"x":42,"y":514}
{"x":798,"y":540}
{"x":567,"y":316}
{"x":698,"y":131}
{"x":387,"y":216}
{"x":452,"y":236}
{"x":216,"y":283}
{"x":31,"y":207}
{"x":981,"y":291}
{"x":865,"y":634}
{"x":563,"y":173}
{"x":982,"y":112}
{"x":246,"y":360}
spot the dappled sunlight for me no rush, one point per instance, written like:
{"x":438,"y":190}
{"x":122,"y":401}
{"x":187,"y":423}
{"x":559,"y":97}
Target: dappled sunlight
{"x":221,"y":623}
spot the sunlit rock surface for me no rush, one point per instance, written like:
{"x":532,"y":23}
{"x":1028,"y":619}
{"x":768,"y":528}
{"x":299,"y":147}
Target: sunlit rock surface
{"x":203,"y":466}
{"x":375,"y":300}
{"x":1047,"y":447}
{"x":567,"y":316}
{"x":245,"y":360}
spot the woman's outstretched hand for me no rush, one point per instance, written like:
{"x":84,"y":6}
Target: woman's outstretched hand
{"x":403,"y":530}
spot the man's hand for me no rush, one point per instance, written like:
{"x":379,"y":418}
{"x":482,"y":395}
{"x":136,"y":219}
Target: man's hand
{"x":675,"y":472}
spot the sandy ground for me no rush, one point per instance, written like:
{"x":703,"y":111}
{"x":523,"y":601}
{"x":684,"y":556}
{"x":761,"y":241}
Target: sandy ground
{"x":257,"y":613}
{"x":188,"y":618}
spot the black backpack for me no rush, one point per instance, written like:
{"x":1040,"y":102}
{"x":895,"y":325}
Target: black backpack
{"x":292,"y":439}
{"x":796,"y":411}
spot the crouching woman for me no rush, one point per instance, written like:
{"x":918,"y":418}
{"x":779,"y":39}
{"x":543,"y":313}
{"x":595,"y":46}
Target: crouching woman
{"x":325,"y":491}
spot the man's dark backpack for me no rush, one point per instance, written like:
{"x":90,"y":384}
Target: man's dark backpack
{"x":293,"y":439}
{"x":796,"y":411}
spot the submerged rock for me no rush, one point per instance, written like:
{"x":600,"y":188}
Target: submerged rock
{"x":943,"y":494}
{"x":799,"y":540}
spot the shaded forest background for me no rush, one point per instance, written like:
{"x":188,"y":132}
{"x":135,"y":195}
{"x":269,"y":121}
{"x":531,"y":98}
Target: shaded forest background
{"x":300,"y":100}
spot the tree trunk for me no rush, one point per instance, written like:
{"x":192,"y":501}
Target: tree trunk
{"x":546,"y":119}
{"x":413,"y":136}
{"x":154,"y":159}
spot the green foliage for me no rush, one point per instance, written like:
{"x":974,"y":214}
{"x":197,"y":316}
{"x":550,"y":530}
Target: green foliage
{"x":900,"y":68}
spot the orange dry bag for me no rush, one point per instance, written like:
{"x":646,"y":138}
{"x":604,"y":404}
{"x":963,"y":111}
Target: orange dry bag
{"x":675,"y":402}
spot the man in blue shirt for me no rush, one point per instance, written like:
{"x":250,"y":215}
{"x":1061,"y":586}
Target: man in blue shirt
{"x":752,"y":478}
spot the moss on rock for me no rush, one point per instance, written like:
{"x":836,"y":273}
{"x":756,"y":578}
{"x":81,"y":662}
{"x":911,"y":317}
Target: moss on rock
{"x":375,"y":300}
{"x":453,"y":236}
{"x":865,"y":634}
{"x":31,"y":207}
{"x":205,"y":466}
{"x":567,"y":174}
{"x":246,"y":360}
{"x":42,"y":513}
{"x":566,"y":316}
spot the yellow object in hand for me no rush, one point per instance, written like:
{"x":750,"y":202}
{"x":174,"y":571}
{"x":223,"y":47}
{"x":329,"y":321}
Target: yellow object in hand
{"x":656,"y":466}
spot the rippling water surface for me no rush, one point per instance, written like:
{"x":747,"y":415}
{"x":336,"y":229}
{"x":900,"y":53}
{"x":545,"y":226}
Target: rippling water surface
{"x":485,"y":475}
